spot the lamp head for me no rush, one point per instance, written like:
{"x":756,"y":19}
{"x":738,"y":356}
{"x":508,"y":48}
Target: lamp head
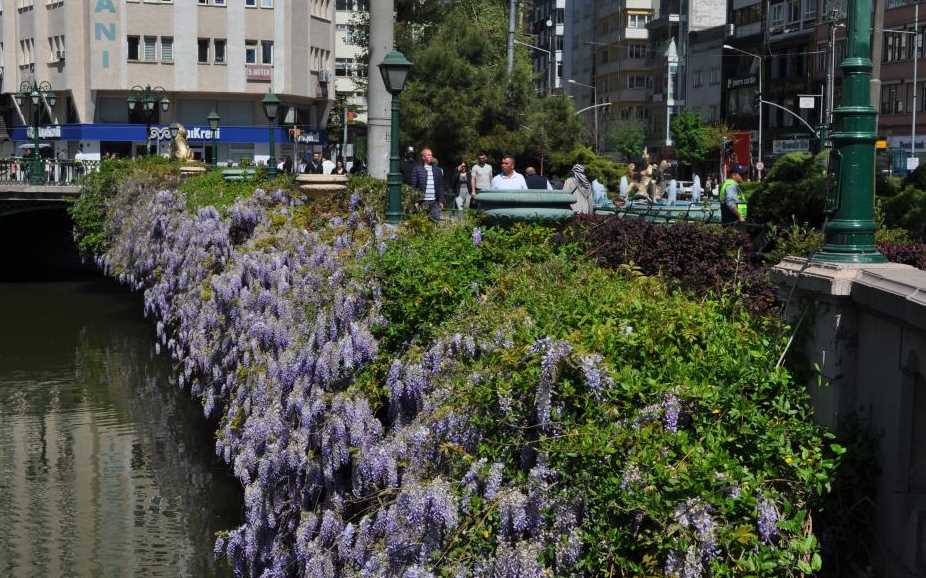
{"x":214,"y":120}
{"x":165,"y":104}
{"x":271,"y":104}
{"x":52,"y":99}
{"x":395,"y":68}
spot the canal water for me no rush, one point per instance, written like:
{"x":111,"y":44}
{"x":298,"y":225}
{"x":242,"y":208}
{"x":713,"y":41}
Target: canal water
{"x":106,"y":469}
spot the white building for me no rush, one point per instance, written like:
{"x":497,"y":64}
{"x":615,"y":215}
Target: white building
{"x":220,"y":55}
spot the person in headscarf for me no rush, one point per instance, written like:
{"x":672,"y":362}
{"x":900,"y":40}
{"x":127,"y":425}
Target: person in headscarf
{"x":581,"y":187}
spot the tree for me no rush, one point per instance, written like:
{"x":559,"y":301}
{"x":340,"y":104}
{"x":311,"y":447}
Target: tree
{"x":690,"y":138}
{"x":459,"y":99}
{"x":626,"y":137}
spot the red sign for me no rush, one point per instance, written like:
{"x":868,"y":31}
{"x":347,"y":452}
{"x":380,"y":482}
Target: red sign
{"x":259,"y":72}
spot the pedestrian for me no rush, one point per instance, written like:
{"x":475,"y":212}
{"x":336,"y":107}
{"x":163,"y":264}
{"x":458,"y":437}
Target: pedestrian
{"x":481,"y":175}
{"x":730,"y":195}
{"x":358,"y":167}
{"x":428,"y":179}
{"x":536,"y":182}
{"x":581,"y":187}
{"x":408,"y":166}
{"x":339,"y":169}
{"x":461,"y":184}
{"x":327,"y":166}
{"x":314,"y":167}
{"x":509,"y":179}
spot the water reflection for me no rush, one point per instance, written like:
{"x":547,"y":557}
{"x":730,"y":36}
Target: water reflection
{"x":105,"y":469}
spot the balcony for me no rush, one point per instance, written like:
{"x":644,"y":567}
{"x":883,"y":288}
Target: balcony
{"x":747,"y":30}
{"x":632,"y":95}
{"x":636,"y":33}
{"x":638,"y":4}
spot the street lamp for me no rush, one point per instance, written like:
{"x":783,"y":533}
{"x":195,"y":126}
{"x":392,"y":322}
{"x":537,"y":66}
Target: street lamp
{"x":850,"y":230}
{"x":214,"y":120}
{"x":36,"y":92}
{"x":595,"y":107}
{"x":149,"y":100}
{"x":759,"y":58}
{"x":549,"y":53}
{"x":394,"y":69}
{"x":271,"y":104}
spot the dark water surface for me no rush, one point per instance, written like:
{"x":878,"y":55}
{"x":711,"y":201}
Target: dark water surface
{"x":106,"y":469}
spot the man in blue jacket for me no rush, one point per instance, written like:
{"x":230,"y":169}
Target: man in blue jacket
{"x":428,"y":179}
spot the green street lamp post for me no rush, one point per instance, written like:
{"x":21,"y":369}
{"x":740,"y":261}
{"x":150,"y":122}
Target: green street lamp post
{"x":271,"y":104}
{"x":394,"y":68}
{"x":850,"y":231}
{"x":36,"y":92}
{"x":149,"y":100}
{"x":214,"y":120}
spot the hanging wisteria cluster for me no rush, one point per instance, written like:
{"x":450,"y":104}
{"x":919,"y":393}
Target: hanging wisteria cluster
{"x":268,"y":326}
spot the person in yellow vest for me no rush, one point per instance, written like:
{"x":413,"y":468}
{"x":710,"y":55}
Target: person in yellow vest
{"x":730,"y":195}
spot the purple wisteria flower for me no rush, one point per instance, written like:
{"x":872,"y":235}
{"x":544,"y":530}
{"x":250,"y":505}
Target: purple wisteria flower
{"x":768,"y":520}
{"x":477,"y":236}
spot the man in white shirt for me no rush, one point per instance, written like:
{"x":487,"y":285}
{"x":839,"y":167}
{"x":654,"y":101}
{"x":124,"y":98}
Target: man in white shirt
{"x":509,"y":179}
{"x":428,"y":179}
{"x":481,"y":175}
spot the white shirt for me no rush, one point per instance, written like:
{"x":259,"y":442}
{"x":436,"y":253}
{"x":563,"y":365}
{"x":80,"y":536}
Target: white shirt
{"x":515,"y":182}
{"x":482,"y":175}
{"x":327,"y":166}
{"x":429,"y":187}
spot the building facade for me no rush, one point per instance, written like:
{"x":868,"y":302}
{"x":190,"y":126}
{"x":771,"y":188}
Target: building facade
{"x":221,"y":55}
{"x":350,"y":72}
{"x":547,"y":22}
{"x":623,"y":71}
{"x":703,"y":73}
{"x":669,"y":39}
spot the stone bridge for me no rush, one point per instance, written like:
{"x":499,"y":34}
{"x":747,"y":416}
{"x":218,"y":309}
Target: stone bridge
{"x":23,"y":198}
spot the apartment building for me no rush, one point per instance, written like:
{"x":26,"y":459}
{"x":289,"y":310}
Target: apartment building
{"x":579,"y":63}
{"x":547,"y":21}
{"x":221,"y":55}
{"x":350,"y":72}
{"x":898,"y":57}
{"x":703,"y":74}
{"x":668,"y":50}
{"x":623,"y":73}
{"x":740,"y":75}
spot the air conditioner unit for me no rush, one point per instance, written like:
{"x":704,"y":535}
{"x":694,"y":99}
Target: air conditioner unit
{"x":324,"y":76}
{"x":60,"y":54}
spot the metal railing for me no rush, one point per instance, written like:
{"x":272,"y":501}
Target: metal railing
{"x":18,"y":171}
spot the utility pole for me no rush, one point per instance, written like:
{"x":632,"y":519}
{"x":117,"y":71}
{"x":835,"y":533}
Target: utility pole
{"x":512,"y":26}
{"x":916,"y":53}
{"x":382,"y":14}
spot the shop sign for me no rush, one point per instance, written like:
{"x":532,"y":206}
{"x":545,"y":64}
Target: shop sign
{"x":308,"y":137}
{"x":740,"y":82}
{"x":45,"y":132}
{"x":782,"y":146}
{"x":192,"y":133}
{"x":259,"y":72}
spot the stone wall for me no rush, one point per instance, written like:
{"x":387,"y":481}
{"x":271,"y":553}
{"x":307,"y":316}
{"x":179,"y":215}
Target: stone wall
{"x":865,"y":328}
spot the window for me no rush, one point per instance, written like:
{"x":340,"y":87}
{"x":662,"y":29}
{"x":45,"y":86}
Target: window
{"x":889,"y":101}
{"x":776,"y":15}
{"x":250,"y":3}
{"x":151,"y":44}
{"x":794,"y":11}
{"x":636,"y":51}
{"x":250,"y":52}
{"x":266,"y":52}
{"x":638,"y":81}
{"x":715,"y":76}
{"x":637,"y":20}
{"x":266,"y":3}
{"x":202,"y":51}
{"x":203,"y":1}
{"x":697,"y":80}
{"x":342,"y":66}
{"x":133,"y":47}
{"x":167,"y":49}
{"x":218,"y":49}
{"x":810,"y":9}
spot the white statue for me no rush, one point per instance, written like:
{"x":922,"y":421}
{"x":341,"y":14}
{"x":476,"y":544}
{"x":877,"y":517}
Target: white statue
{"x":696,"y":189}
{"x":673,"y":191}
{"x":625,"y":186}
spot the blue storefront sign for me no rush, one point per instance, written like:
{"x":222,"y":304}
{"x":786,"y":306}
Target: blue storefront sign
{"x":136,"y":133}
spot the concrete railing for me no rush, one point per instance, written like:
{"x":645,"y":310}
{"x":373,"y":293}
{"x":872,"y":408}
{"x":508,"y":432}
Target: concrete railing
{"x":320,"y":185}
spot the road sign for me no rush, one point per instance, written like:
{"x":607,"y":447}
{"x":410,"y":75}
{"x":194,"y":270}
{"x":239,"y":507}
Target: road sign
{"x":760,"y":166}
{"x":912,"y":163}
{"x":806,"y":102}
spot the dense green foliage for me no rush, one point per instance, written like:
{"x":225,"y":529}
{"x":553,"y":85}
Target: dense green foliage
{"x":89,"y":211}
{"x":596,"y":167}
{"x":626,"y":138}
{"x":794,"y":191}
{"x":744,"y":433}
{"x":691,"y":139}
{"x":212,"y":190}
